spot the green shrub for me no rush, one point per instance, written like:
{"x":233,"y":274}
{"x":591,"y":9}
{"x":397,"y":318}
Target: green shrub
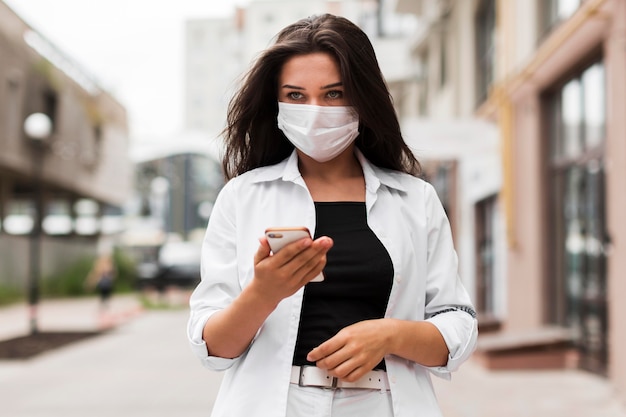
{"x":126,"y":271}
{"x":72,"y":281}
{"x":10,"y":294}
{"x":69,"y":282}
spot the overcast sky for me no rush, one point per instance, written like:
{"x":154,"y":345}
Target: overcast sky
{"x":134,"y":48}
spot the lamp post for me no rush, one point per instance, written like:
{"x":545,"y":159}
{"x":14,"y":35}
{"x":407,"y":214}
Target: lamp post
{"x":37,"y":128}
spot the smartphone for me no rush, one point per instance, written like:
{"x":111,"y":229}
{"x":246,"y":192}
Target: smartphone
{"x":278,"y":237}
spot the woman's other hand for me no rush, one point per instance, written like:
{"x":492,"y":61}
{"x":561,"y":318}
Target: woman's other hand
{"x":353,"y":351}
{"x":357,"y":349}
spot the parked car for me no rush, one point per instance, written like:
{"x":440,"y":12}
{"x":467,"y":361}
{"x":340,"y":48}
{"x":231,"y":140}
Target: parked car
{"x":177,"y":264}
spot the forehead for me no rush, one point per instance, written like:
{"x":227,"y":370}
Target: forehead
{"x":318,"y":66}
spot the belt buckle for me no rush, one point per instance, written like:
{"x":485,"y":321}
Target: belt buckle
{"x":333,"y":382}
{"x":301,"y":376}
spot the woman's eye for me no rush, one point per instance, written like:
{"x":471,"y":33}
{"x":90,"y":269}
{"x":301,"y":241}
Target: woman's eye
{"x":334,"y":94}
{"x":294,"y":95}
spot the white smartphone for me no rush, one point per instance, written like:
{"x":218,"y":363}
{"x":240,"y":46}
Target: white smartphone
{"x":278,"y":237}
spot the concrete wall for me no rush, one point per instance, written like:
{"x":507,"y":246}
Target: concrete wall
{"x":56,"y":255}
{"x":615,"y":59}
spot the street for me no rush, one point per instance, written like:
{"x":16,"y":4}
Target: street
{"x":144,"y":367}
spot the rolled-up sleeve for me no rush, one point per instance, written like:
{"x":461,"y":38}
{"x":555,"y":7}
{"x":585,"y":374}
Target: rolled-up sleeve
{"x":448,"y":305}
{"x":219,"y":283}
{"x":199,"y":348}
{"x":460,"y":332}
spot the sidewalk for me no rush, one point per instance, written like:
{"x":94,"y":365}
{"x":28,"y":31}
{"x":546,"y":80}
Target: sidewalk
{"x":143,"y":367}
{"x":477,"y":392}
{"x":74,"y":314}
{"x":140,"y":367}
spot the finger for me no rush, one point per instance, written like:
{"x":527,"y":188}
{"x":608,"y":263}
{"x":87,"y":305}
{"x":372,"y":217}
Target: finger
{"x":319,"y":245}
{"x":349,"y":372}
{"x":314,"y":258}
{"x":291,"y":250}
{"x":312,"y":268}
{"x":309,"y":262}
{"x":263,"y":251}
{"x":324,"y":351}
{"x":323,"y":243}
{"x":337,"y":362}
{"x":349,"y":366}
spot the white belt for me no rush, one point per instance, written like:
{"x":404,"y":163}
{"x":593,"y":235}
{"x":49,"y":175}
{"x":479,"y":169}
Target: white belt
{"x":312,"y":376}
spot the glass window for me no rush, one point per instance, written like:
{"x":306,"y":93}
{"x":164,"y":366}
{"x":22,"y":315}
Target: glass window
{"x":58,"y":219}
{"x":580,"y":113}
{"x":571,"y":119}
{"x":87,"y":217}
{"x":20,"y":219}
{"x":485,"y":256}
{"x":565,"y":8}
{"x":422,"y":98}
{"x":485,"y":48}
{"x":555,"y":11}
{"x":577,"y":117}
{"x":593,"y":104}
{"x":443,"y":56}
{"x":12,"y":114}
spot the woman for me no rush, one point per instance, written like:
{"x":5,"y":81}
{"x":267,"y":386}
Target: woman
{"x":313,"y":140}
{"x":101,"y":277}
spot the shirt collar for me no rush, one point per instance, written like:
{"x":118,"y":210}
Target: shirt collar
{"x":287,"y":170}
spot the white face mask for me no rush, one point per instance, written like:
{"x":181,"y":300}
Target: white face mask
{"x":321,"y":132}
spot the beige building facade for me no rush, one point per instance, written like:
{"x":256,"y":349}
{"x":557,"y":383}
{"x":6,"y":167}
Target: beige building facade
{"x":551,"y":75}
{"x":219,"y":51}
{"x":59,"y":189}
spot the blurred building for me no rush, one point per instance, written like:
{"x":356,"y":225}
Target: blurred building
{"x":67,"y":190}
{"x":460,"y":151}
{"x":176,"y":184}
{"x":213,"y":57}
{"x":220,"y":51}
{"x":550,"y":73}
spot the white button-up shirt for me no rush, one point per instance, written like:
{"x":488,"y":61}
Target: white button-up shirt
{"x":406,"y":216}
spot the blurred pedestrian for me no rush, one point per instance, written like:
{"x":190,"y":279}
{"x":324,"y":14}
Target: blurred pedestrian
{"x":102,"y":278}
{"x":313,"y":140}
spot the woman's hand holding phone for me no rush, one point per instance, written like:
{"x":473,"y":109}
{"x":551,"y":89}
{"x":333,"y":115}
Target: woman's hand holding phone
{"x":288,"y":259}
{"x":279,"y":237}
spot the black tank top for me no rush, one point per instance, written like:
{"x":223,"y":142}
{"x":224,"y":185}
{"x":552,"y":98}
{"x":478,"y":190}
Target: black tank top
{"x":358,"y":278}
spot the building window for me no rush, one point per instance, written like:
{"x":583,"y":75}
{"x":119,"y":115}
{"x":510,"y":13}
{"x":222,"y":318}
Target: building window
{"x":577,"y":299}
{"x":442,"y":175}
{"x":443,"y":55}
{"x":556,"y":11}
{"x":579,"y":113}
{"x":51,"y":104}
{"x":423,"y":85}
{"x":12,"y":114}
{"x":485,"y":257}
{"x":485,"y":48}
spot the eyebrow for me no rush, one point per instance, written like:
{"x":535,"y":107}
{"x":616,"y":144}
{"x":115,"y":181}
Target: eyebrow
{"x":326,"y":87}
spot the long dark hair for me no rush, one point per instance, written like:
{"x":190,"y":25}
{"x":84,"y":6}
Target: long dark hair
{"x":252,"y":135}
